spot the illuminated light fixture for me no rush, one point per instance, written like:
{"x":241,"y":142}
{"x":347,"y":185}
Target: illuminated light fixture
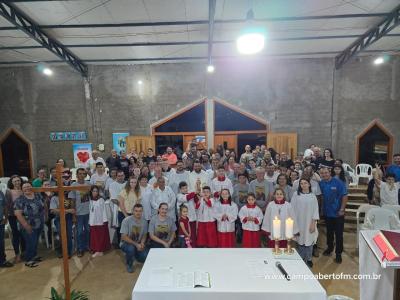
{"x":47,"y":71}
{"x":210,"y":69}
{"x":140,"y":82}
{"x":379,"y":60}
{"x":251,"y":39}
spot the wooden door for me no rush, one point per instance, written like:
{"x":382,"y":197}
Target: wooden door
{"x":283,"y":142}
{"x":228,"y":141}
{"x":139,"y":143}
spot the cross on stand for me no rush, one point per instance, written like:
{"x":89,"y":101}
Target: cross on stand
{"x":60,"y":189}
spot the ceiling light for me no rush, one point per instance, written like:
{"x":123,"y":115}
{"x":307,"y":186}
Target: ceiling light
{"x":252,"y":38}
{"x":47,"y":71}
{"x":379,"y":60}
{"x":140,"y":82}
{"x":210,"y":69}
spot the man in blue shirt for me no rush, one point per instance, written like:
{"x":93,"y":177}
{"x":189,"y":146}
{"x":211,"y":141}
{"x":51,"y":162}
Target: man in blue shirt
{"x":395,"y":167}
{"x":334,"y":199}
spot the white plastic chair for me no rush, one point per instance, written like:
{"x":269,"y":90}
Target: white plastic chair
{"x":46,"y":237}
{"x":4,"y":180}
{"x":3,"y":188}
{"x":380,"y":219}
{"x":363,"y":171}
{"x":363,"y":208}
{"x":24,"y":178}
{"x":352,"y":174}
{"x":395,"y":208}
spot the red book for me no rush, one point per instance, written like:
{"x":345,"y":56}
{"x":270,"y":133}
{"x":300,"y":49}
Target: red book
{"x":389,"y":244}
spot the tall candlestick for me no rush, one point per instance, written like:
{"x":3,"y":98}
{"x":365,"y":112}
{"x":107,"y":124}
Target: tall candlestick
{"x":276,"y":228}
{"x":289,"y":228}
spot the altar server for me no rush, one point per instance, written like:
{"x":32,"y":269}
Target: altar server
{"x":221,"y":182}
{"x":282,"y":210}
{"x":206,"y":227}
{"x":251,"y":217}
{"x":99,"y":236}
{"x":305,"y":207}
{"x":225,"y":212}
{"x":187,"y":199}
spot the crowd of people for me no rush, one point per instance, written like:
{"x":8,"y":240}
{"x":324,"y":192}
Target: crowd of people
{"x":200,"y":198}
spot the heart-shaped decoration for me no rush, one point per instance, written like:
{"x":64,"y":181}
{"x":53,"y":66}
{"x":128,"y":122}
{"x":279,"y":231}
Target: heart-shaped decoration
{"x":83,"y":156}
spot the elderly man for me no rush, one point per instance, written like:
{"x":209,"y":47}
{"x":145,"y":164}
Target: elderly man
{"x":262,"y":188}
{"x":93,"y":161}
{"x":112,"y":161}
{"x":158,"y":173}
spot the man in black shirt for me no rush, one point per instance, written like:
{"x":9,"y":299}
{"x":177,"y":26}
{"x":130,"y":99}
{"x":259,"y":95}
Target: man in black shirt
{"x":150,"y":156}
{"x":113,"y":160}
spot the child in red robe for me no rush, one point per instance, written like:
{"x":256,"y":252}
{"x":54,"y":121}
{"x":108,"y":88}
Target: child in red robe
{"x":226,"y":212}
{"x":206,"y":228}
{"x":251,"y":216}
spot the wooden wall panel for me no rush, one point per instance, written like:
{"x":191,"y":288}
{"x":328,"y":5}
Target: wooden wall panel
{"x":140,"y":143}
{"x":283,"y":142}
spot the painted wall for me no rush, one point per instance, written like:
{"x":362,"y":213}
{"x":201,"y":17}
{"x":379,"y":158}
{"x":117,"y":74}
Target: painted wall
{"x":294,"y":95}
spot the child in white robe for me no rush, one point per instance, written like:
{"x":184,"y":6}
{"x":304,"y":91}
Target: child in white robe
{"x":305,"y":207}
{"x":282,"y":210}
{"x":187,"y":199}
{"x":225,"y":212}
{"x":206,"y":228}
{"x":251,"y":216}
{"x":221,"y":182}
{"x":99,"y":236}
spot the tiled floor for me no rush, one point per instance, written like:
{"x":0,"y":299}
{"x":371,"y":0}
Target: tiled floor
{"x":105,"y":277}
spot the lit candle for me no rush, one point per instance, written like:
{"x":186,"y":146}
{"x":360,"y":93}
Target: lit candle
{"x":289,"y":228}
{"x":276,"y":228}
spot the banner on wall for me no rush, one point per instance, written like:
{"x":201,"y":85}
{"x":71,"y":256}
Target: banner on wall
{"x":82,"y":155}
{"x":119,"y":141}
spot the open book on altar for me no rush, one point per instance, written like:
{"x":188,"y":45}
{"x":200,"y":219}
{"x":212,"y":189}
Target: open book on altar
{"x":193,"y":279}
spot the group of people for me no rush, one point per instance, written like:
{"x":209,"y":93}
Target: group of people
{"x":198,"y":199}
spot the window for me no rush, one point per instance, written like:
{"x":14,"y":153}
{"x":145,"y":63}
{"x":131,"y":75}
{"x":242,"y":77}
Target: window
{"x":192,"y":120}
{"x":174,"y":141}
{"x":227,"y":119}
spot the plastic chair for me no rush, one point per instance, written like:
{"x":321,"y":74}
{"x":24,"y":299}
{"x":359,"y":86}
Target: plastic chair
{"x":380,"y":219}
{"x":24,"y":178}
{"x":4,"y":180}
{"x":395,"y":208}
{"x":351,"y":172}
{"x":46,"y":237}
{"x":363,"y":171}
{"x":363,"y":208}
{"x":3,"y":188}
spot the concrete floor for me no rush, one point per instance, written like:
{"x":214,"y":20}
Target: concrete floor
{"x":106,"y":278}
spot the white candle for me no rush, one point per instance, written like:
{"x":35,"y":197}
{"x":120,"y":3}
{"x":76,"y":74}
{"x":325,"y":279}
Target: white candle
{"x":276,"y":228}
{"x":289,"y":228}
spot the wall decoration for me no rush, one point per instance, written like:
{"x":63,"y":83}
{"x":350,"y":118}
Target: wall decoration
{"x":82,"y":155}
{"x":68,"y":136}
{"x":119,"y":141}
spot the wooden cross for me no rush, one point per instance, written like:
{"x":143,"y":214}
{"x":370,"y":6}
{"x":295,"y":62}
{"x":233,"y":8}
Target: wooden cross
{"x":60,"y":189}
